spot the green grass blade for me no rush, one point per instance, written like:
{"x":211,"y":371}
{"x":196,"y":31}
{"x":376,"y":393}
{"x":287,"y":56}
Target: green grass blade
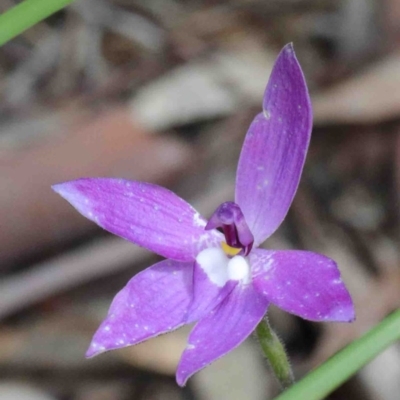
{"x":26,"y":14}
{"x":323,"y":380}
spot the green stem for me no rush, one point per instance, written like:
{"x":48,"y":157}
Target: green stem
{"x":275,"y":353}
{"x":323,"y":380}
{"x":26,"y":14}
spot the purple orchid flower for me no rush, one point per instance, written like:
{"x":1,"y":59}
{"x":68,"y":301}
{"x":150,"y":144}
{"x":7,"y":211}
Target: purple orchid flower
{"x":222,"y":281}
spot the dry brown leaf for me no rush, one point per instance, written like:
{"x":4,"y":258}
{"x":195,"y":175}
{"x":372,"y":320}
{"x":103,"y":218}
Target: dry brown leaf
{"x":368,"y":97}
{"x":33,"y":217}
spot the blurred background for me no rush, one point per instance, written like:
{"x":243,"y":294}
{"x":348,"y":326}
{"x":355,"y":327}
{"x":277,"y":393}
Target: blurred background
{"x":163,"y":91}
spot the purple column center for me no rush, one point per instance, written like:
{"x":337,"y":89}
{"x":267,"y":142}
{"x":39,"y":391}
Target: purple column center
{"x":230,"y":219}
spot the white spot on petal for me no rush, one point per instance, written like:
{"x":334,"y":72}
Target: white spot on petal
{"x":214,"y":262}
{"x":198,"y":220}
{"x":239,"y":269}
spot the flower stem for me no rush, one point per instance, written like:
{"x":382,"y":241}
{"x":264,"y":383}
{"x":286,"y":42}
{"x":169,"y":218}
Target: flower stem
{"x":323,"y":380}
{"x":26,"y":14}
{"x":275,"y":353}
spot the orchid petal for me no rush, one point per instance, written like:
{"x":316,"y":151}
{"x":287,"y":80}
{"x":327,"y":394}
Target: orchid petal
{"x":222,"y":330}
{"x":143,"y":213}
{"x":303,"y":283}
{"x":211,"y":283}
{"x":153,"y":302}
{"x":274,"y":149}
